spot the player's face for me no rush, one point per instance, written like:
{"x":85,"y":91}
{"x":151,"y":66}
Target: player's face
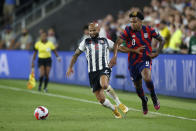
{"x":93,"y":31}
{"x":43,"y":36}
{"x":135,"y":23}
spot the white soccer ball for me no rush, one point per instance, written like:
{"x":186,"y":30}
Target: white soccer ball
{"x":41,"y":113}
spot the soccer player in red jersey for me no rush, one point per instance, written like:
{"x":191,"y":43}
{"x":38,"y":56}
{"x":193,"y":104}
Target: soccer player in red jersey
{"x":138,"y":46}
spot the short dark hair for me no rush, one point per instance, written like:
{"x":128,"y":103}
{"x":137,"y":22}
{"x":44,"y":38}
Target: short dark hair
{"x":163,"y":22}
{"x":137,"y":14}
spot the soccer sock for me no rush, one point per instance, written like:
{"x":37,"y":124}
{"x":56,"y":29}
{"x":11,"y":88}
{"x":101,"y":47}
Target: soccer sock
{"x":40,"y":81}
{"x":46,"y":83}
{"x":140,"y":93}
{"x":111,"y":93}
{"x":150,"y":87}
{"x":108,"y":104}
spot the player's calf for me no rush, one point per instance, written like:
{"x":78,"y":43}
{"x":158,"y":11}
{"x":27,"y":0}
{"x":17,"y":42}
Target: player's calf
{"x":145,"y":106}
{"x":156,"y":102}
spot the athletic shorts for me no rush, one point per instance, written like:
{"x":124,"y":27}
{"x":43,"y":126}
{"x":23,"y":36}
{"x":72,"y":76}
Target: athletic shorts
{"x":135,"y":71}
{"x":44,"y":62}
{"x":94,"y":78}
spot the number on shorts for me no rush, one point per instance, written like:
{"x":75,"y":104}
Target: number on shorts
{"x":147,"y":63}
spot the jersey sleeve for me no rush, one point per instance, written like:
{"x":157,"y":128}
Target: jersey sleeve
{"x":36,"y":46}
{"x":154,"y":32}
{"x":52,"y":46}
{"x":124,"y":35}
{"x":110,"y":43}
{"x":82,"y":46}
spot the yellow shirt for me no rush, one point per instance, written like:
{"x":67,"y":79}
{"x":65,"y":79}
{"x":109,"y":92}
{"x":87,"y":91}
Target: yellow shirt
{"x":44,"y":49}
{"x":176,"y":40}
{"x":165,"y":33}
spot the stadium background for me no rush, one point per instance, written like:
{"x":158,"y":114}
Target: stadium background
{"x":71,"y":103}
{"x":173,"y":74}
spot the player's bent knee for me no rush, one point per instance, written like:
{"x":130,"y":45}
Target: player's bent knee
{"x":100,"y":98}
{"x":105,"y":86}
{"x":147,"y":79}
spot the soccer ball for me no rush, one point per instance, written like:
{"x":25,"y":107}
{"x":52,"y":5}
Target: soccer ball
{"x":41,"y":113}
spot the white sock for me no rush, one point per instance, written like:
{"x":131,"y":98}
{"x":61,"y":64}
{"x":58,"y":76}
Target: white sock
{"x":108,"y":104}
{"x":111,"y":93}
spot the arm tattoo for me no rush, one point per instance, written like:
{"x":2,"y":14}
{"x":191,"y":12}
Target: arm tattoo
{"x":161,"y":43}
{"x":119,"y":41}
{"x":74,"y":58}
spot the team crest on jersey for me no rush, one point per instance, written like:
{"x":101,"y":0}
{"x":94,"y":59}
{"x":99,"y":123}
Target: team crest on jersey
{"x":145,"y":35}
{"x":133,"y":35}
{"x":48,"y":49}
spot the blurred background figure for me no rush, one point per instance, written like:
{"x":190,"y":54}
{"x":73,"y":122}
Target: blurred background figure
{"x":85,"y":33}
{"x":8,"y":10}
{"x":192,"y":41}
{"x":25,"y":40}
{"x":39,"y":34}
{"x":52,"y":38}
{"x":1,"y":11}
{"x":8,"y":38}
{"x":174,"y":19}
{"x":165,"y":33}
{"x":84,"y":36}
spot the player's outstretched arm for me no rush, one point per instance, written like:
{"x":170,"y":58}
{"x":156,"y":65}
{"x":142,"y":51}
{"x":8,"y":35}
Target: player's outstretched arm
{"x":161,"y":44}
{"x":119,"y":41}
{"x":34,"y":56}
{"x":57,"y":55}
{"x":124,"y":49}
{"x":73,"y":61}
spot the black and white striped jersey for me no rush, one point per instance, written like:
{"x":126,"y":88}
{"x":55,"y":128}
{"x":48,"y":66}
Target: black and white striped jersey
{"x":97,"y":52}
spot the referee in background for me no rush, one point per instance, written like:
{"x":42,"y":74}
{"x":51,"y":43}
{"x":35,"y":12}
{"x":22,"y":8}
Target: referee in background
{"x":44,"y":47}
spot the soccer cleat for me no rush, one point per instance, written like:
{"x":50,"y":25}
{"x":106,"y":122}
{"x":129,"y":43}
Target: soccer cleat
{"x":123,"y":108}
{"x":45,"y":90}
{"x":117,"y":113}
{"x":145,"y":106}
{"x":156,"y":103}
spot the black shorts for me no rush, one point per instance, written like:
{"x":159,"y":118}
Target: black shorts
{"x":44,"y":62}
{"x":94,"y":78}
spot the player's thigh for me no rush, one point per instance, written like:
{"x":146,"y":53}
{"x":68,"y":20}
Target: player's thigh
{"x":138,"y":83}
{"x":41,"y":70}
{"x":146,"y":74}
{"x":47,"y":68}
{"x":100,"y":95}
{"x":104,"y":81}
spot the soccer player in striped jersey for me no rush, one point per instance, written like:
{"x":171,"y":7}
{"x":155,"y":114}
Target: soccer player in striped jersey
{"x":97,"y":54}
{"x":138,"y":46}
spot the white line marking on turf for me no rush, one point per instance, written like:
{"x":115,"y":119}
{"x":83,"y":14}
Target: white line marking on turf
{"x":87,"y":101}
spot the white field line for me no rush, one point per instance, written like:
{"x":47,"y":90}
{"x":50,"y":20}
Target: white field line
{"x":87,"y":101}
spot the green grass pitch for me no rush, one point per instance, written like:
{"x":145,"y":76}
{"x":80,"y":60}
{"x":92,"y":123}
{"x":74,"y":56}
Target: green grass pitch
{"x":74,"y":108}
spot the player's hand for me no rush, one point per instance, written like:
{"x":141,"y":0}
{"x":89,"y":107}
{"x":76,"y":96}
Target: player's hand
{"x":59,"y":59}
{"x":69,"y":72}
{"x":139,"y":50}
{"x":112,"y":62}
{"x":153,"y":55}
